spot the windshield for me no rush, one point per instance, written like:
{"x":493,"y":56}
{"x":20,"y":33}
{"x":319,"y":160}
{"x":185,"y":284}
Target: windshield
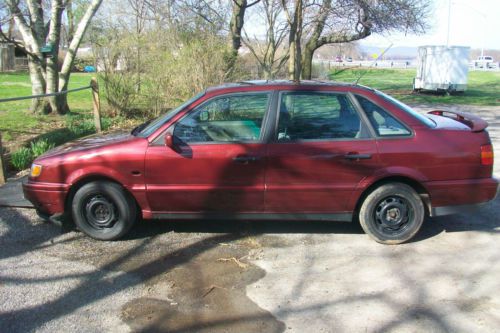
{"x":153,"y":125}
{"x":407,"y":109}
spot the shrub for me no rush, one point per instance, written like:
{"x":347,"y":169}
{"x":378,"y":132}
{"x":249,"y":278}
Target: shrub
{"x":21,"y":159}
{"x":81,"y":125}
{"x":41,"y":146}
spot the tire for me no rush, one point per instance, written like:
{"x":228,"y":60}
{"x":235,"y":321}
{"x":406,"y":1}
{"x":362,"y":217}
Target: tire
{"x":103,"y":210}
{"x":392,"y":214}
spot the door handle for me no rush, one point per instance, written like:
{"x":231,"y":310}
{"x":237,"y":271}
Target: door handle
{"x":357,"y":156}
{"x":245,"y":159}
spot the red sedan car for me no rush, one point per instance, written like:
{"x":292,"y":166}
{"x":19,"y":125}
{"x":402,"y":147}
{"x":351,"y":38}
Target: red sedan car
{"x":274,"y":150}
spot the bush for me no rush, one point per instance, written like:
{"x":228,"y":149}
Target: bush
{"x":169,"y":69}
{"x":76,"y":126}
{"x":21,"y":159}
{"x":41,"y":146}
{"x":82,"y":125}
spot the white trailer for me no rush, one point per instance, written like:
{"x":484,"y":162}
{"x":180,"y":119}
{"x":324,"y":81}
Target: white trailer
{"x":442,"y":68}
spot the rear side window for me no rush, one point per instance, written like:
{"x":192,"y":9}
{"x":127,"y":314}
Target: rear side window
{"x":383,"y":122}
{"x":317,"y":116}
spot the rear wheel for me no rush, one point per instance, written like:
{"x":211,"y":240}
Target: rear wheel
{"x":392,"y":214}
{"x":103,"y":210}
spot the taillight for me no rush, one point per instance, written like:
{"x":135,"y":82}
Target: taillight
{"x":487,"y":155}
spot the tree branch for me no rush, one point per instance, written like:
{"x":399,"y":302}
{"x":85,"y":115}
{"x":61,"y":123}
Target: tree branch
{"x":343,"y":37}
{"x":75,"y":43}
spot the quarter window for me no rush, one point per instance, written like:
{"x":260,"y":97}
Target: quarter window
{"x":383,"y":122}
{"x":235,"y":118}
{"x":317,"y":116}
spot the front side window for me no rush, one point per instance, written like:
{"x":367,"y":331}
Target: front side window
{"x":233,"y":118}
{"x":317,"y":116}
{"x":383,"y":122}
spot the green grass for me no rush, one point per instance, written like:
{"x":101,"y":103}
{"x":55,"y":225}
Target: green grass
{"x":27,"y":135}
{"x":16,"y":117}
{"x":483,"y":87}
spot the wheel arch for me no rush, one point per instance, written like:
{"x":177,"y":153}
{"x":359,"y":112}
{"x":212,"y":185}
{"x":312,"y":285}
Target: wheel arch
{"x":89,"y":179}
{"x":413,"y":183}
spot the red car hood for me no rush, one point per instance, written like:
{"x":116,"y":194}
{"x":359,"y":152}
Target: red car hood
{"x":89,"y":142}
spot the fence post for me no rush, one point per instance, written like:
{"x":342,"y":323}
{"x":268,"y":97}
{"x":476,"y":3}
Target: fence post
{"x":97,"y":104}
{"x":2,"y":174}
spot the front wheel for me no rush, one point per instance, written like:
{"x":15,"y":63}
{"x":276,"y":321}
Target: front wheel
{"x":392,"y":214}
{"x":103,"y":210}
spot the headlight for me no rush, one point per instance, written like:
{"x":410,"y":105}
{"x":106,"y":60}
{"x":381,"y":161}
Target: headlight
{"x":36,"y":170}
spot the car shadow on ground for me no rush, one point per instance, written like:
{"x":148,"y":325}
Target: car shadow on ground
{"x":485,"y":219}
{"x":148,"y":228}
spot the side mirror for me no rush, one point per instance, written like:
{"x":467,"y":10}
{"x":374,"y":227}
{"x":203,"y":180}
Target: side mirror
{"x":169,"y":141}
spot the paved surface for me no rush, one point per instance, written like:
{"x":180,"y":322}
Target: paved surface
{"x":11,"y":194}
{"x":212,"y":276}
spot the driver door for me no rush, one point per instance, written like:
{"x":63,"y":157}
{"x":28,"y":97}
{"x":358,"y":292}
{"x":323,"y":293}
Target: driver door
{"x":218,"y":161}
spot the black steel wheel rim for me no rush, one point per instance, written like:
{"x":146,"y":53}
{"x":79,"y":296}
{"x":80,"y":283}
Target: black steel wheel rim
{"x":100,"y":212}
{"x":393,"y":215}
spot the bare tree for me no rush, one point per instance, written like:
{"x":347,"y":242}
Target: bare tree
{"x":321,"y":22}
{"x":238,"y":10}
{"x":37,"y":32}
{"x":269,"y":53}
{"x":295,"y":18}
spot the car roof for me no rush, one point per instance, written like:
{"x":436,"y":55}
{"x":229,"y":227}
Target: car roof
{"x":274,"y":84}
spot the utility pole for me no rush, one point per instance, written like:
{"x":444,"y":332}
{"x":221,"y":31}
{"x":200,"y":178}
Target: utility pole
{"x":449,"y":20}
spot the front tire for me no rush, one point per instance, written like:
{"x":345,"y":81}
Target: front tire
{"x":103,"y":210}
{"x":392,"y":214}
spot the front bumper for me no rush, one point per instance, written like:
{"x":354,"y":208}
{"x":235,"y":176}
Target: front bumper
{"x":48,"y":198}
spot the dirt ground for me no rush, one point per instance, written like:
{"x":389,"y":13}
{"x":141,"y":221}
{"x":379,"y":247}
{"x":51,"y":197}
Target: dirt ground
{"x":213,"y":276}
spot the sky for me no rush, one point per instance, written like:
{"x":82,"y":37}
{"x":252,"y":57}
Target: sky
{"x":474,"y":23}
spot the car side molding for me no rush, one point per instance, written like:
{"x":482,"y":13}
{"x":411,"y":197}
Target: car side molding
{"x":337,"y":217}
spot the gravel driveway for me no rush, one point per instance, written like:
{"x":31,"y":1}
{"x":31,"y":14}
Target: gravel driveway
{"x":212,"y":276}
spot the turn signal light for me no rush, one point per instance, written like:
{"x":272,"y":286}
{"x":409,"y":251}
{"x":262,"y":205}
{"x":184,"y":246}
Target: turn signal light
{"x":36,"y":170}
{"x":487,"y":155}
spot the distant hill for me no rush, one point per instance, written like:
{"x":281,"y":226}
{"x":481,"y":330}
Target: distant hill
{"x":396,"y":53}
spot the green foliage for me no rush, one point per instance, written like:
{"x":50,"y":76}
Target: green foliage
{"x":77,"y":125}
{"x":120,"y":91}
{"x":169,"y":68}
{"x":40,"y":146}
{"x":21,"y":159}
{"x":81,"y":125}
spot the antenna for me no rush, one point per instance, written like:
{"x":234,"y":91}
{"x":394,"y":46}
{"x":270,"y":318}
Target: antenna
{"x":373,"y":63}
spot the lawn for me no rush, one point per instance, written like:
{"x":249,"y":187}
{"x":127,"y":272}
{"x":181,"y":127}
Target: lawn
{"x":21,"y":128}
{"x":15,"y":117}
{"x":483,"y":87}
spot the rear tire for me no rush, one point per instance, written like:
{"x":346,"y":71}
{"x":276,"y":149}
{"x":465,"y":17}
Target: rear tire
{"x":103,"y":210}
{"x":392,"y":214}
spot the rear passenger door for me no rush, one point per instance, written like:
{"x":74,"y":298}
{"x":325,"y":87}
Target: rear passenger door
{"x":321,"y":150}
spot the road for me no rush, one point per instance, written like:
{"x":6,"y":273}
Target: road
{"x":212,"y":276}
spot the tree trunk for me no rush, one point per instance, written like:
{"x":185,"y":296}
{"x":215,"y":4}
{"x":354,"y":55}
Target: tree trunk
{"x":307,"y":63}
{"x":38,"y":105}
{"x":52,"y":69}
{"x":294,"y":61}
{"x":237,"y":20}
{"x":64,"y":75}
